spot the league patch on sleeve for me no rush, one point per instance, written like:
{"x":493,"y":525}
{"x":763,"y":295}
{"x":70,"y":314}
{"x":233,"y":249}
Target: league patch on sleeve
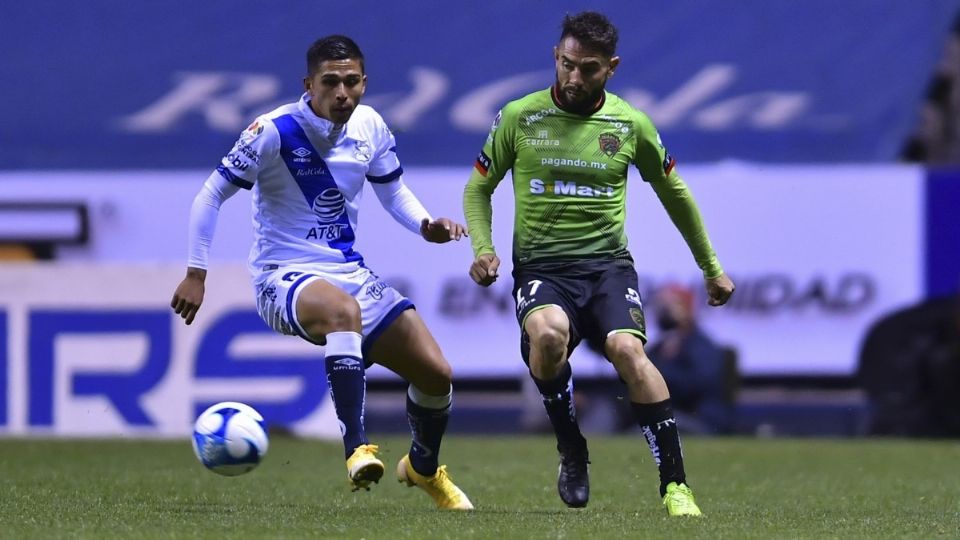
{"x":668,"y":163}
{"x":483,"y":163}
{"x":252,"y":131}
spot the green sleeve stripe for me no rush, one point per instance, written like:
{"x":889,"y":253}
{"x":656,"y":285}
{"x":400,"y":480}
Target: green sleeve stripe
{"x":536,"y":309}
{"x":634,"y":331}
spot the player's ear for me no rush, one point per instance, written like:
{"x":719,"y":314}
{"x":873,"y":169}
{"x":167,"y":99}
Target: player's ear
{"x":363,"y":85}
{"x":306,"y":85}
{"x":556,"y":53}
{"x":614,"y":62}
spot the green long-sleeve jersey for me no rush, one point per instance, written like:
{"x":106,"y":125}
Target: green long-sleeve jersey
{"x":570,"y":180}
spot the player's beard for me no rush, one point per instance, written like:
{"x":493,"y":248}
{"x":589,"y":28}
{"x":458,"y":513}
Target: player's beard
{"x":582,"y":105}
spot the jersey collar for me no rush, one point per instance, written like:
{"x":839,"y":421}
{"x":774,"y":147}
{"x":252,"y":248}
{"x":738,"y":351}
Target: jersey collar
{"x":556,"y":101}
{"x":325,"y":128}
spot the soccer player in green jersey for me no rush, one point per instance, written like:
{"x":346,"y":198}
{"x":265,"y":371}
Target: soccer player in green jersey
{"x":570,"y":147}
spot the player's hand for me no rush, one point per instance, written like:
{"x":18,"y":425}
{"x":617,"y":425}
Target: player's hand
{"x":485,"y":269}
{"x":189,"y":294}
{"x":442,"y":230}
{"x":719,"y":290}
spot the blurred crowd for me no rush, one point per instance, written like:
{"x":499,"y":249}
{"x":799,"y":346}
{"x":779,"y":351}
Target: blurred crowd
{"x":937,"y":137}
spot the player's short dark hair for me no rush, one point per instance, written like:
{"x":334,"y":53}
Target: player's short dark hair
{"x":335,"y":47}
{"x":593,"y":30}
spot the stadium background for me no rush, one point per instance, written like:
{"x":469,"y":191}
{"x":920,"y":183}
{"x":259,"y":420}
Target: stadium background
{"x":789,"y":121}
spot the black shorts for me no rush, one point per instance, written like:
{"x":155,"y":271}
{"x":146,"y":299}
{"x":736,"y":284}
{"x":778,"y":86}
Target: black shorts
{"x":599,"y":297}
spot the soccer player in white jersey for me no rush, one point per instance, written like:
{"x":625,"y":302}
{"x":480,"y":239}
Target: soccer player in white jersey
{"x":306,"y":164}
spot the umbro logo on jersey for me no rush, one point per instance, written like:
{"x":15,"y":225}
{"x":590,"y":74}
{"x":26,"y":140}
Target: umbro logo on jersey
{"x":347,"y":362}
{"x":302,"y":155}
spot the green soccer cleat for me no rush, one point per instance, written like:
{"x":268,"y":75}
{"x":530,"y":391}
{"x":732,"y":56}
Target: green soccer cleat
{"x":363,"y":467}
{"x":679,"y":500}
{"x":439,"y":486}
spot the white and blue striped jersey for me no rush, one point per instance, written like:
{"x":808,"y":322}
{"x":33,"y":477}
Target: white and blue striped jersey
{"x":307,"y":177}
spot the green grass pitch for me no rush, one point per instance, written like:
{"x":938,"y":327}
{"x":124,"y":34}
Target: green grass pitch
{"x":769,"y":488}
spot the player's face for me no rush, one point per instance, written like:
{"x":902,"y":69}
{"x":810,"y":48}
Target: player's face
{"x":335,"y":89}
{"x":582,"y":73}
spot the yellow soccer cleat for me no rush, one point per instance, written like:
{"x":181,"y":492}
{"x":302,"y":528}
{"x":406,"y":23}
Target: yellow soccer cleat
{"x":439,"y":486}
{"x":679,"y":500}
{"x":363,"y":467}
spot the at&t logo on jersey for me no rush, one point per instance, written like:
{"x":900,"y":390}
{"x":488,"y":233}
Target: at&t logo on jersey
{"x":568,"y":189}
{"x":328,"y":207}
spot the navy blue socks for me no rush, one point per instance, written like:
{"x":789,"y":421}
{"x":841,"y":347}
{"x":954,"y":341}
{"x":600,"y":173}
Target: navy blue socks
{"x":347,"y":381}
{"x":427,"y":416}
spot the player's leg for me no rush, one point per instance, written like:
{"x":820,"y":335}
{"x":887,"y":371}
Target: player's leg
{"x":548,"y":335}
{"x":650,"y":401}
{"x":315,"y":305}
{"x":547,"y":339}
{"x":325,"y":313}
{"x":404,"y":345}
{"x":328,"y":315}
{"x":618,"y":312}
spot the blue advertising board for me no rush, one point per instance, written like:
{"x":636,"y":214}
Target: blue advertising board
{"x":107,"y":84}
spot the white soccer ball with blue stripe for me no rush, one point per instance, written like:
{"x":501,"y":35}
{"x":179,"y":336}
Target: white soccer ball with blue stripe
{"x":230,"y":438}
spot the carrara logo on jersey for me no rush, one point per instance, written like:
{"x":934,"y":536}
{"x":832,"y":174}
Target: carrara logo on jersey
{"x":568,"y":189}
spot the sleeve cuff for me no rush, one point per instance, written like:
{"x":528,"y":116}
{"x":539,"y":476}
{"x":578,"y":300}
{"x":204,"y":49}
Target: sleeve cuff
{"x":385,"y":178}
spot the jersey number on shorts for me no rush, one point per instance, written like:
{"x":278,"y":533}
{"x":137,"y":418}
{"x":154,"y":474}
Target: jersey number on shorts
{"x":522,"y":302}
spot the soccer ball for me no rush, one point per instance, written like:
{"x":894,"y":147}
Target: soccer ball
{"x":229,"y":438}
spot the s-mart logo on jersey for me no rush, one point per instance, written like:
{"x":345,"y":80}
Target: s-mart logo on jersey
{"x":568,"y":189}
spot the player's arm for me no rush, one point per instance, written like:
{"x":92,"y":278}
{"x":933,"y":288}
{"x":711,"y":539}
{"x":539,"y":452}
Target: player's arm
{"x":496,"y":158}
{"x":385,"y":175}
{"x":658,"y":168}
{"x":400,"y":202}
{"x":238,"y":169}
{"x":203,"y":223}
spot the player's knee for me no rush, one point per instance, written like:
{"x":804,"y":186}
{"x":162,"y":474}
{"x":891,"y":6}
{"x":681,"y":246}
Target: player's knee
{"x":434,"y":378}
{"x":319,"y":319}
{"x":627,"y":354}
{"x":625,"y":348}
{"x":441,"y":378}
{"x":550,"y":341}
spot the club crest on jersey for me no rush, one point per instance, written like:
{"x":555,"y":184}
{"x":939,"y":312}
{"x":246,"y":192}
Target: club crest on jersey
{"x":362,"y":151}
{"x":609,"y":144}
{"x":637,"y":316}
